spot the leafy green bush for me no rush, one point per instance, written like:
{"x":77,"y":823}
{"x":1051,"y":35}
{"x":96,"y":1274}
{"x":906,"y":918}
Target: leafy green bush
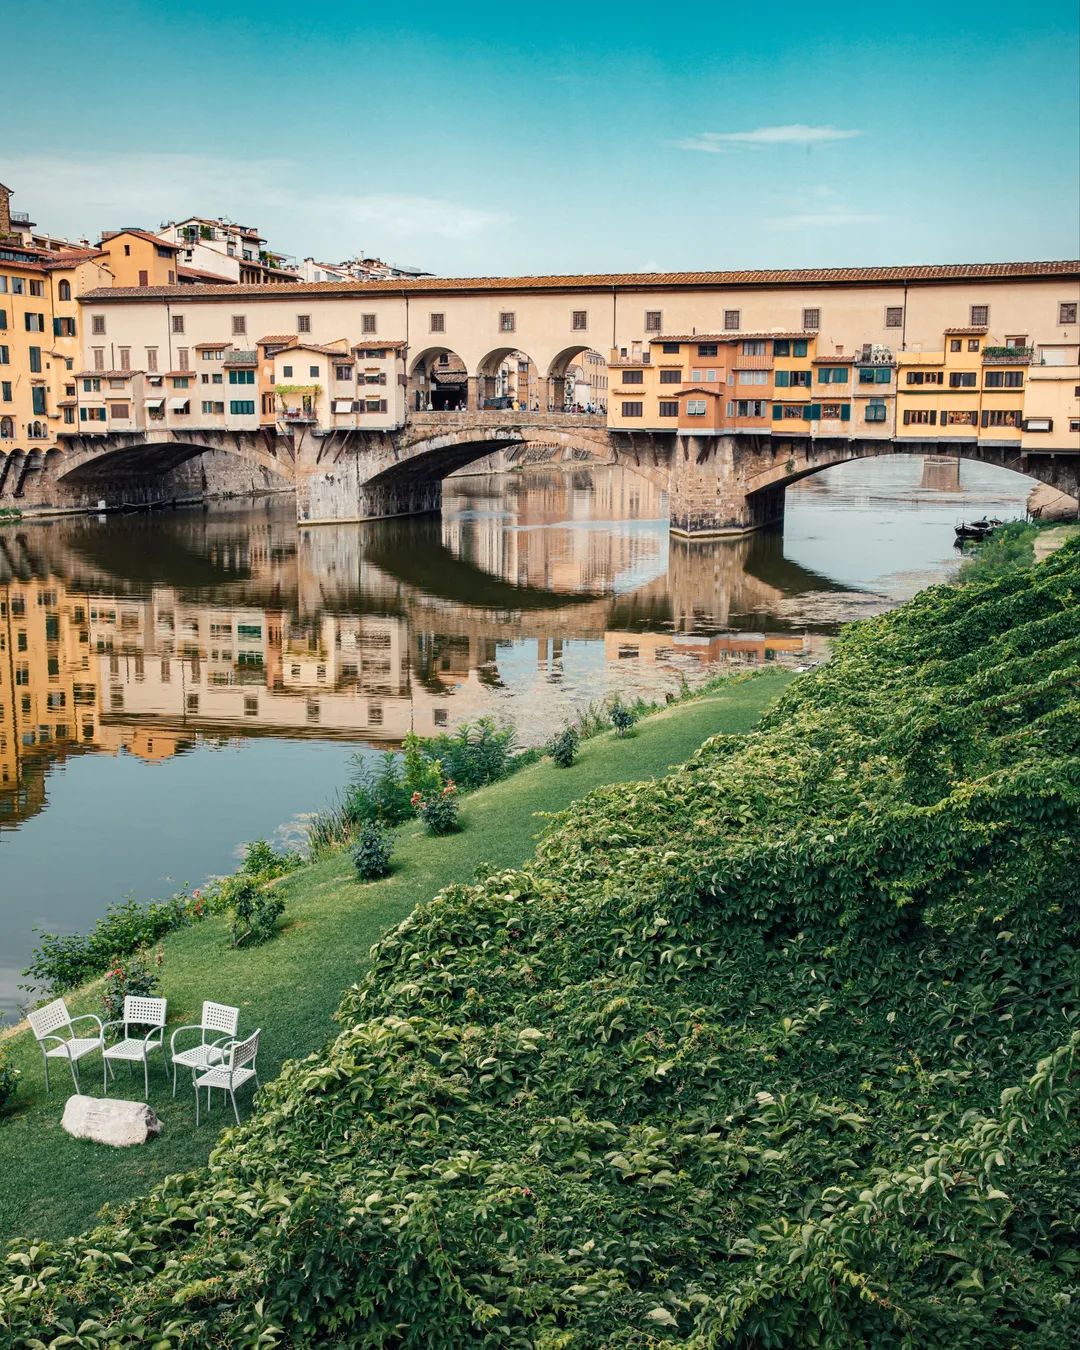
{"x":9,"y":1079}
{"x":372,"y":851}
{"x":1004,"y":550}
{"x":622,"y":719}
{"x":137,"y":975}
{"x":263,"y":861}
{"x":780,"y":1050}
{"x":63,"y":962}
{"x":563,"y":746}
{"x":253,"y":911}
{"x":439,"y":809}
{"x":476,"y":754}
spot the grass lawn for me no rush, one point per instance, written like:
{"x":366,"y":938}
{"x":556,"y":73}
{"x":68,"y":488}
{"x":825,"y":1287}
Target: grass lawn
{"x":52,"y":1185}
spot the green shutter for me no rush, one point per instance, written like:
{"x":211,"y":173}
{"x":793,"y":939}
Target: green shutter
{"x":3,"y":318}
{"x":985,"y":418}
{"x":798,"y":348}
{"x":933,"y":418}
{"x":782,"y":379}
{"x":777,"y":411}
{"x":56,"y":327}
{"x":845,"y":412}
{"x":815,"y":412}
{"x":883,"y":375}
{"x":823,"y":375}
{"x":840,"y":375}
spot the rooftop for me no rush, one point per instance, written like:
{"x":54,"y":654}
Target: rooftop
{"x":645,"y":281}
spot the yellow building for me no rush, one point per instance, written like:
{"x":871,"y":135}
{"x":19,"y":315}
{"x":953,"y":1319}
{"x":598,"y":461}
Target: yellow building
{"x":136,"y":258}
{"x":39,"y":352}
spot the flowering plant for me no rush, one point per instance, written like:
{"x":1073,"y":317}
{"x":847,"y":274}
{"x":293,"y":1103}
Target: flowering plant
{"x":438,"y":810}
{"x":9,"y":1080}
{"x":136,"y":974}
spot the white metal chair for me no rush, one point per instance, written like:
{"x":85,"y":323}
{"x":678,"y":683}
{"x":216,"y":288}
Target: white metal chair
{"x":138,"y":1012}
{"x":219,"y":1017}
{"x":53,"y":1018}
{"x":231,"y":1073}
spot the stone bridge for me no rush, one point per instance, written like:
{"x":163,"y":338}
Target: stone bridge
{"x":717,"y":485}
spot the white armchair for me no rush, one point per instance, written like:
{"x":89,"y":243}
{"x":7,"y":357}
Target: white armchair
{"x":49,"y":1022}
{"x":138,"y":1012}
{"x":216,"y":1017}
{"x":231,"y":1073}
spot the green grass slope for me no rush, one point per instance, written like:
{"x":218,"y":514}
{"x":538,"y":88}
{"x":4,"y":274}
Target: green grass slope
{"x":52,"y":1185}
{"x":777,"y":1051}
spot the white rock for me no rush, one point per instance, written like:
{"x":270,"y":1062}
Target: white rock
{"x":107,"y":1121}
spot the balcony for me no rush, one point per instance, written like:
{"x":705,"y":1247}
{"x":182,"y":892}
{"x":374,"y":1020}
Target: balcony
{"x":1007,"y":356}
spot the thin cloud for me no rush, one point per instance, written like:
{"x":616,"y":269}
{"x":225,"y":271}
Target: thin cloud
{"x":826,"y":220}
{"x":720,"y":142}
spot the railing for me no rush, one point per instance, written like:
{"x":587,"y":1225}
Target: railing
{"x":20,"y":217}
{"x":1007,"y":356}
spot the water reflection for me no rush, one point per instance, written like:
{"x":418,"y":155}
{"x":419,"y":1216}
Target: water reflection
{"x":153,"y":642}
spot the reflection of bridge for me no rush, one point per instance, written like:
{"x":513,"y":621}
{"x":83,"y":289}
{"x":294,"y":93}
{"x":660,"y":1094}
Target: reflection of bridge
{"x":716,"y":484}
{"x":141,"y":635}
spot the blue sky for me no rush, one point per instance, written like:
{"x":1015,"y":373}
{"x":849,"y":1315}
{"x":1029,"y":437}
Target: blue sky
{"x":573,"y":139}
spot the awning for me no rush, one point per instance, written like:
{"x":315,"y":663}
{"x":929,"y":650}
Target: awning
{"x":153,"y":402}
{"x":179,"y":404}
{"x":343,"y":405}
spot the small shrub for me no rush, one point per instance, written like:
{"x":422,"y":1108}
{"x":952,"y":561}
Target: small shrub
{"x":255,"y":912}
{"x":563,"y":746}
{"x":136,"y":974}
{"x":372,"y":851}
{"x":262,"y":860}
{"x":622,"y":719}
{"x":9,"y":1080}
{"x":438,"y":810}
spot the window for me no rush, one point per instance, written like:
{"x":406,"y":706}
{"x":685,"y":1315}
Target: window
{"x":181,"y":382}
{"x":63,"y":327}
{"x":973,"y":344}
{"x":633,"y":377}
{"x":5,"y":357}
{"x":241,"y":377}
{"x":999,"y":417}
{"x":177,"y":323}
{"x":955,"y":344}
{"x":5,"y":385}
{"x":875,"y":411}
{"x":35,"y":323}
{"x":144,"y":278}
{"x":632,"y":409}
{"x":962,"y":379}
{"x":753,"y":377}
{"x":753,"y":349}
{"x":811,"y":318}
{"x":119,"y":410}
{"x":437,"y":323}
{"x":1004,"y":379}
{"x":242,"y":407}
{"x":215,"y":378}
{"x":125,"y":358}
{"x":183,"y":360}
{"x":506,"y":323}
{"x":91,"y":414}
{"x":91,"y":386}
{"x":671,"y":377}
{"x":313,"y":371}
{"x":669,"y":407}
{"x":920,"y":417}
{"x":670,"y":348}
{"x":38,"y":397}
{"x":1067,"y":312}
{"x":695,"y":407}
{"x":37,"y":288}
{"x":342,"y":372}
{"x":17,"y":286}
{"x":874,"y":374}
{"x":710,"y":377}
{"x":151,"y":358}
{"x":7,"y":427}
{"x":794,"y":379}
{"x":375,"y":405}
{"x":63,"y":291}
{"x":303,"y":323}
{"x":654,"y":320}
{"x":980,"y":316}
{"x":832,"y":375}
{"x":959,"y":419}
{"x":209,"y":406}
{"x":707,"y":349}
{"x":894,"y":316}
{"x":750,"y":407}
{"x":368,"y":323}
{"x":926,"y":377}
{"x":579,"y":320}
{"x":35,"y":360}
{"x":239,"y":325}
{"x":732,"y":320}
{"x":781,"y":347}
{"x":1020,"y":342}
{"x":287,"y":372}
{"x":99,"y":358}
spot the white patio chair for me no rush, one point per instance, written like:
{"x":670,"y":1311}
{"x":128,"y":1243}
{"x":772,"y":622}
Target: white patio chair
{"x":138,"y":1012}
{"x":219,"y":1017}
{"x":53,"y":1018}
{"x":231,"y":1073}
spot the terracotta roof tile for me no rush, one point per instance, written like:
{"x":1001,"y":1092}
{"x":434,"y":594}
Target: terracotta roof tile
{"x":72,"y":258}
{"x":103,"y":374}
{"x":212,"y":278}
{"x":374,"y":345}
{"x":143,"y":234}
{"x":654,"y":281}
{"x":314,"y":347}
{"x":276,"y":337}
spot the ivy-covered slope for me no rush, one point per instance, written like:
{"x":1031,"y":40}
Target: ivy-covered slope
{"x":778,"y":1051}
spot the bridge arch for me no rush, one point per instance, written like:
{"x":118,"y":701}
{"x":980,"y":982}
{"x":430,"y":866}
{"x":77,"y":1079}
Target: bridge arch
{"x":508,"y":376}
{"x":438,"y":377}
{"x":104,"y":458}
{"x":593,"y":368}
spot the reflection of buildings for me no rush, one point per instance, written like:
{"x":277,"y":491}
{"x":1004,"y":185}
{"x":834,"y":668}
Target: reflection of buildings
{"x":148,"y":633}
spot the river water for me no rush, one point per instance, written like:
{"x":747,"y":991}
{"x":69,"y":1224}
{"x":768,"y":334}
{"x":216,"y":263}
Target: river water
{"x":173,"y":684}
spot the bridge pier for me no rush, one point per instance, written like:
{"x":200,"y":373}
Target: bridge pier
{"x":709,"y":497}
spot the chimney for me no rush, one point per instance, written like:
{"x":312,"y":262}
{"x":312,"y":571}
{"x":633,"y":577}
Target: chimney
{"x":5,"y":211}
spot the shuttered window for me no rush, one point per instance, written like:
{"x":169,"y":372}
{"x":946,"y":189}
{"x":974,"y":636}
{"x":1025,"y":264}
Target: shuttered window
{"x":632,"y":409}
{"x":669,"y":407}
{"x":732,"y":320}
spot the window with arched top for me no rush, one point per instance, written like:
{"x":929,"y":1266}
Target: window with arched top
{"x":64,"y":290}
{"x":7,"y":428}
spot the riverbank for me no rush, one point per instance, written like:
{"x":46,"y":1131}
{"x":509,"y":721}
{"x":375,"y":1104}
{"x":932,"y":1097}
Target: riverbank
{"x":54,"y":1185}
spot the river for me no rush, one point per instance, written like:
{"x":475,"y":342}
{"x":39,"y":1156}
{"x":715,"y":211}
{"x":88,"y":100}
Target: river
{"x":174,"y":684}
